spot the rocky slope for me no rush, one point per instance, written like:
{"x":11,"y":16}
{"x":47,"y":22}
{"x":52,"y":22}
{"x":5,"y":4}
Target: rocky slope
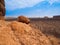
{"x":18,"y":33}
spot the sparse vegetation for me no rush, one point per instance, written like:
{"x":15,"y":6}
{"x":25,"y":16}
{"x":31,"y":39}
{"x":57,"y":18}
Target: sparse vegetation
{"x":51,"y":28}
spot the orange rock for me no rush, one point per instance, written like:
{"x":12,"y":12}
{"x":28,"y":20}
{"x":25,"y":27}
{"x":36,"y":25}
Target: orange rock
{"x":23,"y":19}
{"x":18,"y":33}
{"x":20,"y":26}
{"x":7,"y":36}
{"x":28,"y":35}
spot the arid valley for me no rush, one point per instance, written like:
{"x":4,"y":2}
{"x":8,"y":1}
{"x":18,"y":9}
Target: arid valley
{"x":17,"y":27}
{"x":49,"y":27}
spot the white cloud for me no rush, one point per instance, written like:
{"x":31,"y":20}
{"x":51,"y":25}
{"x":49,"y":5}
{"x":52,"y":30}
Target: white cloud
{"x":13,"y":4}
{"x":52,"y":1}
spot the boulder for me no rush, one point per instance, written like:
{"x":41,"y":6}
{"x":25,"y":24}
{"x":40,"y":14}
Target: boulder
{"x":23,"y":19}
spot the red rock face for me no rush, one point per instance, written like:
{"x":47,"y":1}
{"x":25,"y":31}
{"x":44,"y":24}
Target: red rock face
{"x":2,"y":8}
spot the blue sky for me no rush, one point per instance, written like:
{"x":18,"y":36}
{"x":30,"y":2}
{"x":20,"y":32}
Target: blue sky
{"x":32,"y":8}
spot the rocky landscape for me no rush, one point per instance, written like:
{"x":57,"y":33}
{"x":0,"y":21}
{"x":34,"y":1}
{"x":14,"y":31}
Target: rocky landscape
{"x":18,"y":33}
{"x":51,"y":28}
{"x":24,"y":31}
{"x":42,"y":32}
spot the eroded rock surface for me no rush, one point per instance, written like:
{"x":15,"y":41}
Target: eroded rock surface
{"x":6,"y":35}
{"x":18,"y":33}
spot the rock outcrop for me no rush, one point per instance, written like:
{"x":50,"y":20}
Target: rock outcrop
{"x":6,"y":35}
{"x":23,"y":19}
{"x":18,"y":33}
{"x":2,"y":9}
